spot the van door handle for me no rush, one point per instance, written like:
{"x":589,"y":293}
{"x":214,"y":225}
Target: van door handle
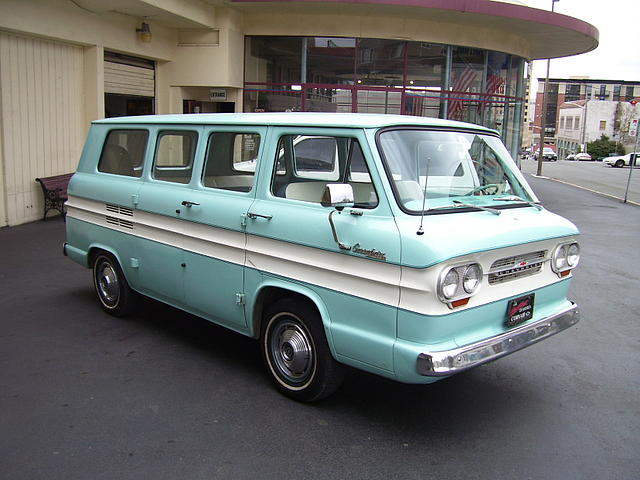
{"x":187,"y":203}
{"x":256,"y":215}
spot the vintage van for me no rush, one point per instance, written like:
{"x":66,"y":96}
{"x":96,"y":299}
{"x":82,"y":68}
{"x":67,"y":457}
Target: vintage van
{"x":409,"y":247}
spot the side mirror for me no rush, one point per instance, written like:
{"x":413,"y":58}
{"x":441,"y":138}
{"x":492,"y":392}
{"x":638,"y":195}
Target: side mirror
{"x":338,"y":195}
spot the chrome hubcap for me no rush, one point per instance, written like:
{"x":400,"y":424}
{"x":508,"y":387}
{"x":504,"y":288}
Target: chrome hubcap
{"x":108,"y":286}
{"x":292,"y":352}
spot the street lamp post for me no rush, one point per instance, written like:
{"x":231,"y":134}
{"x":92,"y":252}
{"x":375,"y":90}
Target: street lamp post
{"x":543,"y":119}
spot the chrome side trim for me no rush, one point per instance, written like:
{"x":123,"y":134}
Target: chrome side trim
{"x":448,"y":362}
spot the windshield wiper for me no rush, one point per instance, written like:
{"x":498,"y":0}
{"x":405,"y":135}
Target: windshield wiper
{"x":515,"y":198}
{"x":458,"y":204}
{"x":484,"y":209}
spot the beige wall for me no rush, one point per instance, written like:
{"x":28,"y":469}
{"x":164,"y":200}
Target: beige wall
{"x":52,"y":79}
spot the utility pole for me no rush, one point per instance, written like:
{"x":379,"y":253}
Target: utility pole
{"x":543,"y":119}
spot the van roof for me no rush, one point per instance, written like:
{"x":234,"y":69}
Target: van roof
{"x":357,"y":120}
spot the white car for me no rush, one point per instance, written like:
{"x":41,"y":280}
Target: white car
{"x":547,"y":154}
{"x":583,"y":156}
{"x":620,"y":160}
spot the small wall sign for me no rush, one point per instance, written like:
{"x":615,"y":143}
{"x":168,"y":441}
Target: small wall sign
{"x":218,"y":94}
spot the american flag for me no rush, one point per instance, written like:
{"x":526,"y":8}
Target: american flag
{"x":462,"y":83}
{"x":494,"y":83}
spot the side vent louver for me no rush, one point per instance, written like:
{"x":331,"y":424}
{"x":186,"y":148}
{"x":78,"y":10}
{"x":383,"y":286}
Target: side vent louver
{"x":119,"y":222}
{"x":121,"y":210}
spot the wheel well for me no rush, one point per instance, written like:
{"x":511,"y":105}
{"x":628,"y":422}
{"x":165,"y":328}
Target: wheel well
{"x":94,"y":252}
{"x":270,"y":295}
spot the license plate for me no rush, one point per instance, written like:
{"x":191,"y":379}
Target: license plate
{"x":520,"y":310}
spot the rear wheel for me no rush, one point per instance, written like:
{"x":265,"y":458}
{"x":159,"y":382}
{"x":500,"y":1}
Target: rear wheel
{"x":112,"y":289}
{"x":296,"y":353}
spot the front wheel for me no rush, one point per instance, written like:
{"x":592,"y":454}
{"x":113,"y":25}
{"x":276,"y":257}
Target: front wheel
{"x":296,"y":353}
{"x":112,"y":289}
{"x":620,"y":163}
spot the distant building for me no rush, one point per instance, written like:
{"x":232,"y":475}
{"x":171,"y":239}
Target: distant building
{"x":566,"y":90}
{"x":583,"y":121}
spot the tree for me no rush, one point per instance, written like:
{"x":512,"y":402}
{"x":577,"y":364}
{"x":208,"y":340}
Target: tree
{"x":603,"y":147}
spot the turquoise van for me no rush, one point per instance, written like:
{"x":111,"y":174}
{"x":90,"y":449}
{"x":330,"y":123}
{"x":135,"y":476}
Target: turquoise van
{"x":412,"y":248}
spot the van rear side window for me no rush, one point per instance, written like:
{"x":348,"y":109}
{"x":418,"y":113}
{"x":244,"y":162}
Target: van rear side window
{"x":123,"y":152}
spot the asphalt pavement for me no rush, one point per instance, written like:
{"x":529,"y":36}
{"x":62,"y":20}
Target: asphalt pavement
{"x":593,"y":176}
{"x":165,"y":395}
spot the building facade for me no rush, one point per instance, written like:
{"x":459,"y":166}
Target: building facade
{"x":570,"y":96}
{"x":584,"y":121}
{"x":64,"y":63}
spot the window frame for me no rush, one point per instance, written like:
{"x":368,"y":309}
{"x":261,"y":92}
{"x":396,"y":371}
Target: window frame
{"x":143,"y":157}
{"x":289,"y":170}
{"x":209,"y":134}
{"x":160,"y":133}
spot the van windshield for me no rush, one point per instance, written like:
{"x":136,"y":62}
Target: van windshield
{"x":446,"y":169}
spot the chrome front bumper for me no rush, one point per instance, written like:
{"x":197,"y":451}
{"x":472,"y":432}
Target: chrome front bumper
{"x":448,"y":362}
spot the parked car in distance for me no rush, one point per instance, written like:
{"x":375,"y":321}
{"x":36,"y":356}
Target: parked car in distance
{"x":620,"y":161}
{"x":547,"y":154}
{"x":571,"y":156}
{"x":583,"y":156}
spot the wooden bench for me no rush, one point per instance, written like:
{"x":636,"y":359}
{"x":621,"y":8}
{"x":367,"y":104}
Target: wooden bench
{"x":55,"y":192}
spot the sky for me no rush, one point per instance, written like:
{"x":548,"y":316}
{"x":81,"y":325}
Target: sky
{"x":618,"y":55}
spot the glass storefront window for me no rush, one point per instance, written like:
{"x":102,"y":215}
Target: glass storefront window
{"x":380,"y":62}
{"x":424,"y":79}
{"x":467,"y":71}
{"x":368,"y":75}
{"x":330,"y":60}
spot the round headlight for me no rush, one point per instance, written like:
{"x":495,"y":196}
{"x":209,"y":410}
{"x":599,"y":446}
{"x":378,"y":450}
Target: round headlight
{"x":471,"y":278}
{"x":573,"y":255}
{"x":560,"y":258}
{"x":450,"y":284}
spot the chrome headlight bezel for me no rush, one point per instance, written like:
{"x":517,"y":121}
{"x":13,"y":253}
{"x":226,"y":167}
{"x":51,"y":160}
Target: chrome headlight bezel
{"x":462,"y":272}
{"x":565,"y":257}
{"x":472,"y":272}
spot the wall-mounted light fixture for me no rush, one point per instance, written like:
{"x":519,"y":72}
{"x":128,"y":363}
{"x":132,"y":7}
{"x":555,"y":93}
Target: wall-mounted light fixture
{"x":144,"y":32}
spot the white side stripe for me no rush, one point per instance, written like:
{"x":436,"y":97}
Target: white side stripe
{"x":409,"y":288}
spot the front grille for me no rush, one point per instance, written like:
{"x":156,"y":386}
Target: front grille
{"x":518,"y":266}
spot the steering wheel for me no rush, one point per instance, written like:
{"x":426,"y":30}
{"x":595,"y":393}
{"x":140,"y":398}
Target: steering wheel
{"x":488,"y":189}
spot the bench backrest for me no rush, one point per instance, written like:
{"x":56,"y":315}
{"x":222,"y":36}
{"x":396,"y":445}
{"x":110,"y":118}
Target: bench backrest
{"x":56,"y":183}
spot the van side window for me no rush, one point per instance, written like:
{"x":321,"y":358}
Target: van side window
{"x":123,"y":152}
{"x":305,"y":165}
{"x":175,"y":151}
{"x":231,"y":161}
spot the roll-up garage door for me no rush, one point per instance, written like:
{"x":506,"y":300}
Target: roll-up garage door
{"x":129,"y":85}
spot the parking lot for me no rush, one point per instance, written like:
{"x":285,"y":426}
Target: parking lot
{"x":165,"y":395}
{"x":595,"y":176}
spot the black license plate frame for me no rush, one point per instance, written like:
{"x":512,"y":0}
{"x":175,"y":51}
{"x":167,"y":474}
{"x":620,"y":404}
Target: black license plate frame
{"x":520,"y":310}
